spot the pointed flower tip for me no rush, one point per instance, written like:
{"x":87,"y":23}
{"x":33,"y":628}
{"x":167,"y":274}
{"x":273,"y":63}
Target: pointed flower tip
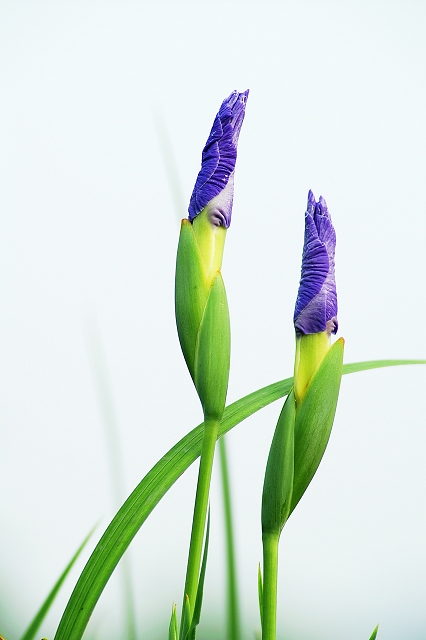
{"x":321,"y":207}
{"x":316,"y":304}
{"x":310,"y":209}
{"x":215,"y":181}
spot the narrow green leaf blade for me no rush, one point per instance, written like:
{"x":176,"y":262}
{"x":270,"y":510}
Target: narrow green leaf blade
{"x":260,"y":592}
{"x":233,"y":615}
{"x":173,"y":627}
{"x":42,"y":612}
{"x":354,"y":367}
{"x":374,"y":634}
{"x":186,"y":618}
{"x":141,"y":502}
{"x":170,"y":165}
{"x":200,"y":590}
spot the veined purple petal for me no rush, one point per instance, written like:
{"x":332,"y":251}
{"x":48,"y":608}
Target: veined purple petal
{"x":218,"y":162}
{"x":316,"y":304}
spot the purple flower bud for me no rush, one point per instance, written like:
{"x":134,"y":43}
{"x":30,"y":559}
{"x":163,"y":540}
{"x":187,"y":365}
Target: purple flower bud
{"x":316,"y":304}
{"x":218,"y":162}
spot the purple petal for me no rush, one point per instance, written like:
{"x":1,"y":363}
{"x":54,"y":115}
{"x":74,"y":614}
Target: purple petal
{"x":316,"y":304}
{"x":218,"y":160}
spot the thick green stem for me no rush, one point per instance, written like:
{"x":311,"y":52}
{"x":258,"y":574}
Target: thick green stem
{"x":233,"y":608}
{"x":270,"y":580}
{"x":200,"y":514}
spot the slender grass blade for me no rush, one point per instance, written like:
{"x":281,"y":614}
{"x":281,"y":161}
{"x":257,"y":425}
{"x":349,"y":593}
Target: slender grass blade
{"x":260,"y":592}
{"x":42,"y":612}
{"x":374,"y":634}
{"x":200,"y":590}
{"x":173,"y":627}
{"x":232,"y":600}
{"x":115,"y":458}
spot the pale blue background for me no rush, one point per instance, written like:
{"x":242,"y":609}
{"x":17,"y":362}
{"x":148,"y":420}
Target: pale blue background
{"x":88,"y":235}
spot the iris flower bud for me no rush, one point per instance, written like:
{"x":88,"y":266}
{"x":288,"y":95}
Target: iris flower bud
{"x":210,"y":207}
{"x":201,"y":306}
{"x":315,"y":314}
{"x":305,"y":423}
{"x":216,"y":175}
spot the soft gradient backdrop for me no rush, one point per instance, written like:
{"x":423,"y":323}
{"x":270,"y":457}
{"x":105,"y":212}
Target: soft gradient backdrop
{"x":93,"y":95}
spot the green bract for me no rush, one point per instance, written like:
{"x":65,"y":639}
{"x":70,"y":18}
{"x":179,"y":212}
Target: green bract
{"x":212,"y":352}
{"x":314,"y":419}
{"x":202,"y":315}
{"x":279,"y":476}
{"x":191,"y":293}
{"x":299,"y":442}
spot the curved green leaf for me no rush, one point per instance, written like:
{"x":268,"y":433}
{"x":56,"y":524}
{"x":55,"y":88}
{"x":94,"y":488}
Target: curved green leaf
{"x":353,"y":367}
{"x":128,"y":520}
